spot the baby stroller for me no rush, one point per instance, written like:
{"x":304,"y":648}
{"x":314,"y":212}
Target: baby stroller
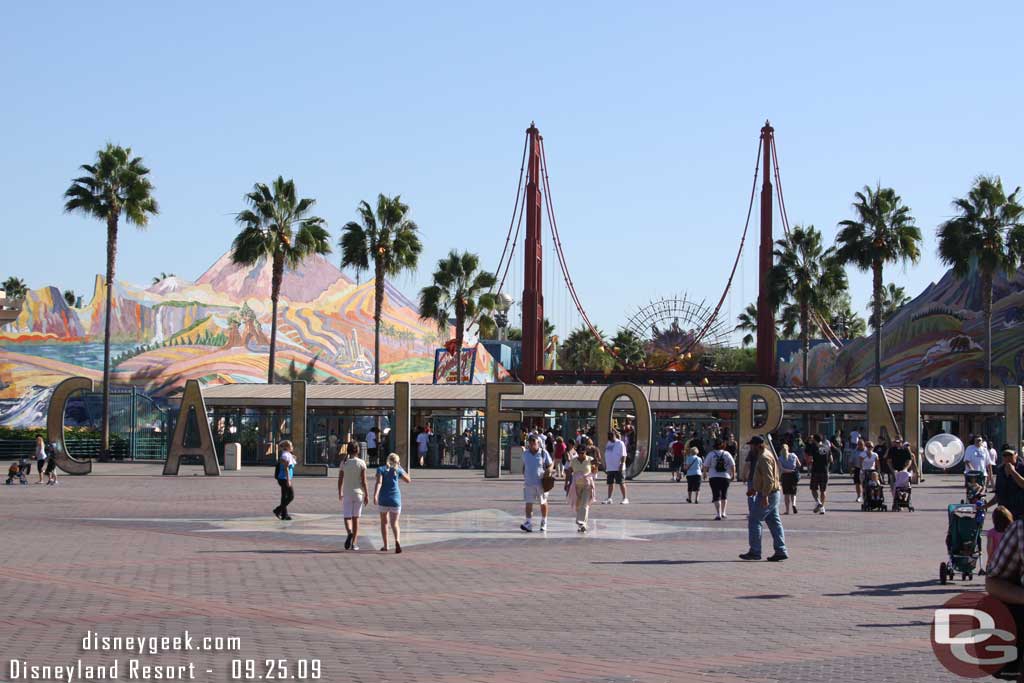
{"x":973,"y":479}
{"x":874,"y":496}
{"x":18,"y":470}
{"x":901,"y":499}
{"x":963,"y":541}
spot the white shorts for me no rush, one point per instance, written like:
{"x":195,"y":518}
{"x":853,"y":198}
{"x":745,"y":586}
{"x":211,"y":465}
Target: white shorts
{"x":534,"y":493}
{"x":351,"y":507}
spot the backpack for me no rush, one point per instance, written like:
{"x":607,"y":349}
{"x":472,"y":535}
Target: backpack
{"x":49,"y":450}
{"x":720,"y":465}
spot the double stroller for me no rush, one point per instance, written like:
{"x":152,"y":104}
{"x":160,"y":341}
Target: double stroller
{"x":963,"y":540}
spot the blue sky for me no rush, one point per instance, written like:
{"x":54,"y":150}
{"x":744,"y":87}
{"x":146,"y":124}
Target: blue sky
{"x":650,"y":114}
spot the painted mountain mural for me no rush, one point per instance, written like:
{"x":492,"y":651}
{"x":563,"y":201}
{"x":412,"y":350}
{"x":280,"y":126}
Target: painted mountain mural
{"x":215,"y":330}
{"x":936,"y":340}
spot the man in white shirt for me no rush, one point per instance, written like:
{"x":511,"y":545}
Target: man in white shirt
{"x":371,"y":444}
{"x":615,"y":465}
{"x":975,"y":458}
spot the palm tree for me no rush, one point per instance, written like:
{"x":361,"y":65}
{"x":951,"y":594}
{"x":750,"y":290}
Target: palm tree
{"x":461,"y":291}
{"x":277,"y":226}
{"x":582,"y":351}
{"x":893,"y":298}
{"x":884,"y":232}
{"x":115,"y":184}
{"x":988,"y":235}
{"x":161,"y":277}
{"x":845,"y":323}
{"x":746,"y":321}
{"x":15,"y":288}
{"x":806,"y":277}
{"x":391,"y":241}
{"x":630,"y":347}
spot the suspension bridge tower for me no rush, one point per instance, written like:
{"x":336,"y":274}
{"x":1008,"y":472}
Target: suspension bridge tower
{"x":532,"y":362}
{"x":766,"y":337}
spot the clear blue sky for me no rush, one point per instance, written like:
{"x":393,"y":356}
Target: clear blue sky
{"x":650,"y":113}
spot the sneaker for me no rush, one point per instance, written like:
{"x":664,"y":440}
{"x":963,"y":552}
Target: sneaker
{"x":580,"y":528}
{"x":624,"y":501}
{"x":526,"y":526}
{"x":398,"y":548}
{"x":277,"y":513}
{"x":778,"y":557}
{"x":794,"y":510}
{"x":860,"y":499}
{"x":817,"y":508}
{"x":822,"y":511}
{"x":355,"y":547}
{"x":348,"y":541}
{"x":725,"y":516}
{"x":750,"y":556}
{"x":718,"y":518}
{"x":606,"y":502}
{"x":286,"y":517}
{"x":544,"y":526}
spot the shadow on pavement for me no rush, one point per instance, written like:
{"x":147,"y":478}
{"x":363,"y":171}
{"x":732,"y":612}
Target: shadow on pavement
{"x":296,"y":551}
{"x":670,"y":562}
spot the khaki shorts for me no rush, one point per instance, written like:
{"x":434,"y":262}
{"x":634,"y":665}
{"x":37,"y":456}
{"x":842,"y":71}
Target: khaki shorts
{"x":534,"y":493}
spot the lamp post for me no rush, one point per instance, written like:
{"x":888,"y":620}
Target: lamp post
{"x":501,"y":314}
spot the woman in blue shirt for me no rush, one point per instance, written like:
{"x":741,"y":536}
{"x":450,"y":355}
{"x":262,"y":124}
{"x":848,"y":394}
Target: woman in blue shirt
{"x":388,"y":498}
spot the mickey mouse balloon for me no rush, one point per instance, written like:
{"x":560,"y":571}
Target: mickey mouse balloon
{"x":944,"y":451}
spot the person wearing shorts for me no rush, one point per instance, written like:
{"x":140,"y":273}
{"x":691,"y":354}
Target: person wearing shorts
{"x":820,"y":455}
{"x":353,"y":493}
{"x":388,"y":498}
{"x":789,"y":475}
{"x":614,"y":464}
{"x":721,"y":468}
{"x":285,"y":473}
{"x":536,"y":463}
{"x":694,"y":468}
{"x":678,"y":449}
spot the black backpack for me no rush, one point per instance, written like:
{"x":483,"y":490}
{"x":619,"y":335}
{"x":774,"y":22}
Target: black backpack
{"x":720,"y":464}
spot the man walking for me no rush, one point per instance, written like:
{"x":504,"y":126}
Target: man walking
{"x":819,"y":455}
{"x":537,"y":463}
{"x":763,"y":494}
{"x":614,"y":466}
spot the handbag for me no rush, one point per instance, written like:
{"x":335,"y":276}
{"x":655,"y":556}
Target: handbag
{"x":547,"y":482}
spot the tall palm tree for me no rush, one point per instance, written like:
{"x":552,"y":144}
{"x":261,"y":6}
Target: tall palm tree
{"x":390,"y":240}
{"x":15,"y":288}
{"x":807,"y":277}
{"x":988,"y":235}
{"x":115,"y":185}
{"x":883,"y":232}
{"x":461,"y":291}
{"x":276,"y":225}
{"x":893,"y":298}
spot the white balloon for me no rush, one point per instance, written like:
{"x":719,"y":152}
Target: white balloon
{"x":944,"y":451}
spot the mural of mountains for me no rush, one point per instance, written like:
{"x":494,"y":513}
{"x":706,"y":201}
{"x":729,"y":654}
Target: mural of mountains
{"x":216,"y":330}
{"x":936,"y":340}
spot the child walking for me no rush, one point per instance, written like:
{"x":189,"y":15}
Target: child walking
{"x":388,"y":497}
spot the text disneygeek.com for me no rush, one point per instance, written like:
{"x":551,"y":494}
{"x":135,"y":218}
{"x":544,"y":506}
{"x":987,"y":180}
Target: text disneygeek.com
{"x":134,"y":667}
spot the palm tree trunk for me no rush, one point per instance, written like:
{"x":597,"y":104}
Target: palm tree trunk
{"x":986,"y":286}
{"x":378,"y":306}
{"x":805,"y":338}
{"x":111,"y":259}
{"x":877,"y":288}
{"x":277,"y":274}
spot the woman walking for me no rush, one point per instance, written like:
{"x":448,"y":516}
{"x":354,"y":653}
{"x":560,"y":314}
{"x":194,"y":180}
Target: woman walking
{"x":352,"y":492}
{"x":388,"y":497}
{"x":285,"y":471}
{"x":694,"y":467}
{"x":583,"y":488}
{"x":721,"y":468}
{"x":40,"y":457}
{"x":789,"y":469}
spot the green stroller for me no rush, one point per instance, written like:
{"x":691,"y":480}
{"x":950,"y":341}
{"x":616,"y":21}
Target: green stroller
{"x":963,"y":541}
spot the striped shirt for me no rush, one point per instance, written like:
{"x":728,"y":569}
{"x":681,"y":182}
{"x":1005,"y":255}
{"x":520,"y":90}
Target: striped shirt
{"x":1008,"y":562}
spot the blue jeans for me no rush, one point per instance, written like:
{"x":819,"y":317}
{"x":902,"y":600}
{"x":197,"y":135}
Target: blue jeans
{"x":757,"y":513}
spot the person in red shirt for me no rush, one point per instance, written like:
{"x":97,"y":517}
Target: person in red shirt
{"x":678,"y":457}
{"x":560,"y":450}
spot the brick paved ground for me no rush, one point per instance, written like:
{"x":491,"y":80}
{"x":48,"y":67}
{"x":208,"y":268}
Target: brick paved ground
{"x":655,"y":594}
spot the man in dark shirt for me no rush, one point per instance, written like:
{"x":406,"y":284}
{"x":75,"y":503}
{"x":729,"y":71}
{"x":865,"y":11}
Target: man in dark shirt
{"x":1010,"y":485}
{"x":900,"y":456}
{"x":818,"y":456}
